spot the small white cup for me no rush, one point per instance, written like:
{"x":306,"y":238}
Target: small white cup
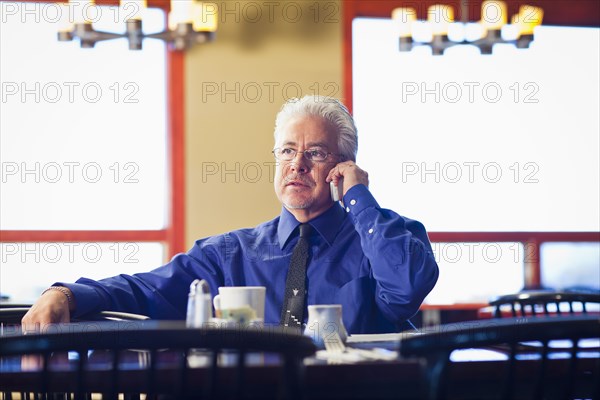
{"x":324,"y":322}
{"x":244,"y":303}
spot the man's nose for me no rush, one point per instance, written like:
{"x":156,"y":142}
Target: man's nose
{"x":299,"y":164}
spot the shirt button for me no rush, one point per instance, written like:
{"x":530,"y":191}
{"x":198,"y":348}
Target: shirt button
{"x":352,"y":202}
{"x":347,"y":209}
{"x":371,"y":230}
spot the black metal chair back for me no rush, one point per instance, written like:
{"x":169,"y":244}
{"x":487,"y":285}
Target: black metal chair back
{"x":12,"y":315}
{"x":535,"y":303}
{"x":169,"y":360}
{"x":556,"y":348}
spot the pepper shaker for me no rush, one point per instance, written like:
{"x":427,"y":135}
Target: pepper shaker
{"x":199,"y":308}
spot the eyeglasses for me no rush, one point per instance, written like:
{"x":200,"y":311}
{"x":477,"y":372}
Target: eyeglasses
{"x":288,"y":154}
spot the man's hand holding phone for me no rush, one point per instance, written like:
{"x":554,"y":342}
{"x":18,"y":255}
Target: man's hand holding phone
{"x":344,"y":176}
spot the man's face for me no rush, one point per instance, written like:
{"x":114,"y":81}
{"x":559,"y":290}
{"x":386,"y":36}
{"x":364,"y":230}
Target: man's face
{"x":300,"y":184}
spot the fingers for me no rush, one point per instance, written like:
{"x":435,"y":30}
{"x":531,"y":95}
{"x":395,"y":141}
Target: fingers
{"x":351,"y":173}
{"x":51,"y":308}
{"x":337,"y":172}
{"x":28,"y":324}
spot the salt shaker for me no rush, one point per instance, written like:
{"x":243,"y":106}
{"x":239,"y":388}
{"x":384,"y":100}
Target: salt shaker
{"x":199,"y":308}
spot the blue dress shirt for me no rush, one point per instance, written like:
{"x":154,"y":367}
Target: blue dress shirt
{"x":378,"y":265}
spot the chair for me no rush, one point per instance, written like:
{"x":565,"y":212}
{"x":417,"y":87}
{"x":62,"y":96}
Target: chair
{"x":555,"y":363}
{"x":11,"y":314}
{"x":534,"y":303}
{"x":159,"y":358}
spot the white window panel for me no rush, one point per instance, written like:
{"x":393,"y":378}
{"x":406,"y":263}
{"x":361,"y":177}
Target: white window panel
{"x":476,"y":272}
{"x":29,"y":268}
{"x":570,"y":265}
{"x":470,"y":142}
{"x":83,"y":143}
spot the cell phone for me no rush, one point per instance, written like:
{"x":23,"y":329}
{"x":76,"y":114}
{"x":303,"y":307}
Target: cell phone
{"x":335,"y":193}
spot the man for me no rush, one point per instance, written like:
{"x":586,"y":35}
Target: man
{"x":378,"y":265}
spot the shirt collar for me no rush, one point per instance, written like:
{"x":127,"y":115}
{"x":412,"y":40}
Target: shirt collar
{"x":326,"y":224}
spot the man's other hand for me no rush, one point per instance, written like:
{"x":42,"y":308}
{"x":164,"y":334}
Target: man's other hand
{"x":52,"y":307}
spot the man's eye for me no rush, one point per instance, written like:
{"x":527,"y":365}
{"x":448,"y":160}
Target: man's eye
{"x":316,"y":153}
{"x":287,"y":151}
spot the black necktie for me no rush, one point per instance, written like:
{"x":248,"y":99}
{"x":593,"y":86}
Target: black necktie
{"x":292,"y":312}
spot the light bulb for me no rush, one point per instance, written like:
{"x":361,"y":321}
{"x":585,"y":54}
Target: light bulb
{"x":65,"y":24}
{"x":529,"y":17}
{"x":84,"y":11}
{"x":133,"y":9}
{"x":493,"y":14}
{"x":440,"y":16}
{"x":204,"y":16}
{"x":181,"y":12}
{"x":404,"y":18}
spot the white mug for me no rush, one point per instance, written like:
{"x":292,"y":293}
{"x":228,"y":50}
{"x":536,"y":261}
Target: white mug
{"x":325,"y":323}
{"x":238,"y":299}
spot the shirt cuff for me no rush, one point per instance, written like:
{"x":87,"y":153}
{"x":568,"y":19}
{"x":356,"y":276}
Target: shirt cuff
{"x":87,"y":299}
{"x":358,"y":198}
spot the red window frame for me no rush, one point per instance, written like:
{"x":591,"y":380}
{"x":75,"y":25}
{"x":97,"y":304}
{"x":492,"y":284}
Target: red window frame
{"x":565,"y":13}
{"x":173,"y":234}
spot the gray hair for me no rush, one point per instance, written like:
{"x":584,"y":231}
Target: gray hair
{"x":331,"y":110}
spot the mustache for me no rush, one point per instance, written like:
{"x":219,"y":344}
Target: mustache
{"x":298,"y":178}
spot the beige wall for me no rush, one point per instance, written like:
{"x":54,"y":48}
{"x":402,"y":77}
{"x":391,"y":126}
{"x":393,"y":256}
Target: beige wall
{"x":234,"y":88}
